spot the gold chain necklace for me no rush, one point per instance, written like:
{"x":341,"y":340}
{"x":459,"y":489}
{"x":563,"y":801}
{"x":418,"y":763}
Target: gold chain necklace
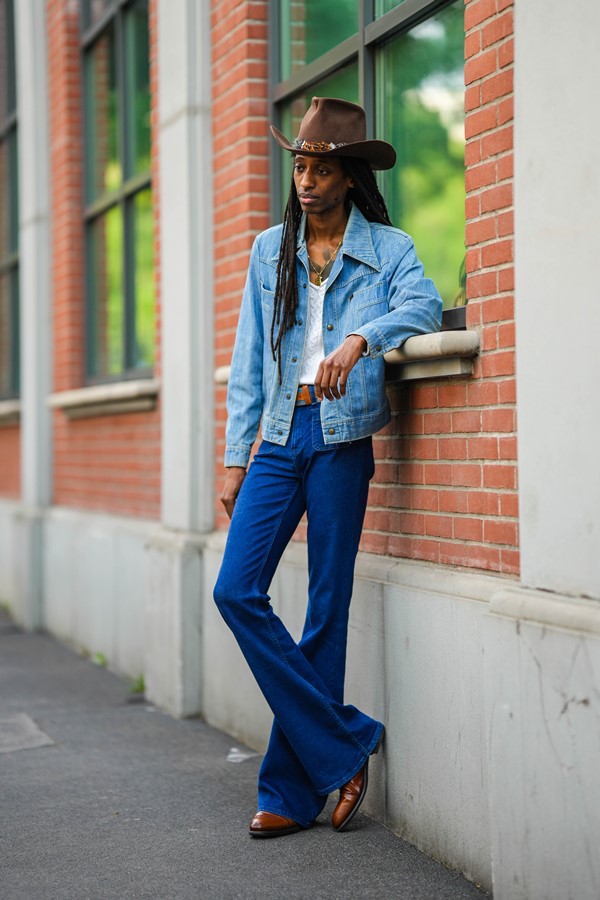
{"x":319,"y":271}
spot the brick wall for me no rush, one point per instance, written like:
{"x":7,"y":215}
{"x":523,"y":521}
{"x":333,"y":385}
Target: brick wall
{"x":107,"y":463}
{"x":445,"y":487}
{"x":241,"y":171}
{"x":10,"y":467}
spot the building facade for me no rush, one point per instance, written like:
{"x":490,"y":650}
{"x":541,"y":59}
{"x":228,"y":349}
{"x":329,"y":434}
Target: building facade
{"x":136,"y":168}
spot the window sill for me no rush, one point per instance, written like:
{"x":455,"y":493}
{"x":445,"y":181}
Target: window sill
{"x":10,"y":412}
{"x":443,"y":354}
{"x":107,"y":399}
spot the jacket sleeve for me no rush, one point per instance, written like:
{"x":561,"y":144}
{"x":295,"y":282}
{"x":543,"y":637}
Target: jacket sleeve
{"x":415,"y":307}
{"x":244,"y":393}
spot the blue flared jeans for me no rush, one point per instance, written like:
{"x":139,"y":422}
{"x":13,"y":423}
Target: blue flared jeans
{"x":317,"y":742}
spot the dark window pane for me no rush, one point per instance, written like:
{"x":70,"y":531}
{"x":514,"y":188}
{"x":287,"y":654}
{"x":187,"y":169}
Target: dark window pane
{"x":9,"y":334}
{"x":13,"y":189}
{"x":143,"y":227}
{"x":93,"y":10}
{"x":310,"y":28}
{"x":8,"y":95}
{"x":5,"y":215}
{"x":420,"y":101}
{"x":137,"y":89}
{"x":105,"y":284}
{"x":5,"y":336}
{"x":383,"y":6}
{"x":343,"y":84}
{"x":103,"y":167}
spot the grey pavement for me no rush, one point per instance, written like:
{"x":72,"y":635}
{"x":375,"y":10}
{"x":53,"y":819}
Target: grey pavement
{"x":102,"y":797}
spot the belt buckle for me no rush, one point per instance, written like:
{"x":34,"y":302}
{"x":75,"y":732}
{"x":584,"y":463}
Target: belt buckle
{"x":303,"y":397}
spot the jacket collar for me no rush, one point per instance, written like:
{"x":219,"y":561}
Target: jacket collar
{"x":358,"y":240}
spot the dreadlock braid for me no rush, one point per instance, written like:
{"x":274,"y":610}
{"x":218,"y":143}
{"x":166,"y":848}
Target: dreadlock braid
{"x":365,"y":195}
{"x":286,"y":287}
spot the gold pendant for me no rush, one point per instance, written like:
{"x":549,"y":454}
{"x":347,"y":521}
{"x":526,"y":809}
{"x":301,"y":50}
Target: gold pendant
{"x":318,"y":281}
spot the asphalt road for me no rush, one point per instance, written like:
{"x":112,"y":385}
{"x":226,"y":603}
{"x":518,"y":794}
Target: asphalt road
{"x":101,"y":797}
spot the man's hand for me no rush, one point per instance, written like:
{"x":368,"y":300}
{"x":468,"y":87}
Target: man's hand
{"x":231,"y":488}
{"x":333,"y":372}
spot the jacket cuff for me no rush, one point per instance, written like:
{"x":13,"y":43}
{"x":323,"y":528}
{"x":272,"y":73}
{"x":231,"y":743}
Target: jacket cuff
{"x":375,"y":341}
{"x":237,"y":456}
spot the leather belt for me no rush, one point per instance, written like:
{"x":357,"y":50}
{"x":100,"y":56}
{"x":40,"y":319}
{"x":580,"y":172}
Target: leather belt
{"x":303,"y":397}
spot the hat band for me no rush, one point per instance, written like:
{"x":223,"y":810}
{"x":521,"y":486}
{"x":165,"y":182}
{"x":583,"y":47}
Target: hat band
{"x":317,"y":146}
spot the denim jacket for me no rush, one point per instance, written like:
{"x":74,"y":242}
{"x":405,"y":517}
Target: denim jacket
{"x":376,"y":288}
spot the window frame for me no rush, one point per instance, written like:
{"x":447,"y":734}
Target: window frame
{"x":122,"y":198}
{"x":362,"y":47}
{"x":9,"y":265}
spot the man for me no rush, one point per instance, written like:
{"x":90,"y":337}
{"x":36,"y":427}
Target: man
{"x":328,"y":293}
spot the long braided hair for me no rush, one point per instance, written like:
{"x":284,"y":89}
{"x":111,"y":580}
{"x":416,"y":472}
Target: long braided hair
{"x":365,"y":195}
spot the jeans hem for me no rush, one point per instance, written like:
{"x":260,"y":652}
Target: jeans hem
{"x":340,"y":782}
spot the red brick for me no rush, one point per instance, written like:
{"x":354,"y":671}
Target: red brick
{"x":466,"y":529}
{"x":472,"y":44}
{"x":506,"y":53}
{"x":500,"y":532}
{"x":510,"y":561}
{"x":472,"y":555}
{"x":483,"y":503}
{"x":453,"y":501}
{"x":499,"y":476}
{"x":480,"y":122}
{"x":482,"y":285}
{"x":507,"y":391}
{"x":496,"y":198}
{"x":472,"y":97}
{"x":508,"y":447}
{"x":497,"y":253}
{"x":500,"y":363}
{"x":472,"y":152}
{"x":452,"y":395}
{"x":438,"y":526}
{"x":483,"y":448}
{"x":481,"y":230}
{"x":480,"y":176}
{"x":437,"y":422}
{"x":500,"y":141}
{"x":478,"y":11}
{"x":506,"y":279}
{"x":499,"y":28}
{"x":466,"y":421}
{"x":498,"y":309}
{"x":478,"y":67}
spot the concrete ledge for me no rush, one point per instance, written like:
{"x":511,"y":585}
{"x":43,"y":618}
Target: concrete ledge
{"x":442,"y":354}
{"x":10,"y":412}
{"x":388,"y":570}
{"x":106,"y":399}
{"x":546,"y":608}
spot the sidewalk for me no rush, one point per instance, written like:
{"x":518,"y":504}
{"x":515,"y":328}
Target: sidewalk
{"x":118,"y":800}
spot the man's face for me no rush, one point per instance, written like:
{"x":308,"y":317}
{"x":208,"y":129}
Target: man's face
{"x":320,"y":182}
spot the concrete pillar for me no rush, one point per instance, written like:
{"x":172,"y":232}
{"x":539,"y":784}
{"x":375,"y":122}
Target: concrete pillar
{"x":174,"y":588}
{"x":542,"y":644}
{"x":36,"y":314}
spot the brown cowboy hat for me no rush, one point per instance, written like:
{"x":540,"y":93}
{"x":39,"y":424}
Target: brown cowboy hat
{"x":334,"y":127}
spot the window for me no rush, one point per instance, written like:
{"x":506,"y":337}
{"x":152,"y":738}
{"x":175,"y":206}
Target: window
{"x":9,"y":209}
{"x":120,"y":322}
{"x":405,"y":64}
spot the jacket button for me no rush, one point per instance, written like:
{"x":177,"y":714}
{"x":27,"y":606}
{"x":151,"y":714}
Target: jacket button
{"x":330,"y":328}
{"x":332,"y":431}
{"x":294,"y":359}
{"x":351,"y":296}
{"x":280,"y":432}
{"x":304,"y":284}
{"x":299,"y":322}
{"x":378,"y":347}
{"x":288,"y":396}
